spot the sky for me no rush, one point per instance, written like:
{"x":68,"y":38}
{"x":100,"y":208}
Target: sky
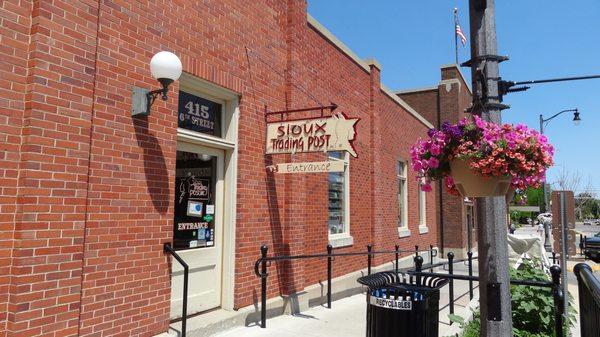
{"x":544,"y":39}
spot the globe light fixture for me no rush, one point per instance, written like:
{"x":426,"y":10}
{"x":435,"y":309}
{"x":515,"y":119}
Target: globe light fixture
{"x":166,"y":68}
{"x":576,"y":118}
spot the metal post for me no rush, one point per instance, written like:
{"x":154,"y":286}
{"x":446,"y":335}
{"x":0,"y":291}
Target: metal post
{"x":558,"y":297}
{"x":369,"y":248}
{"x":451,"y":283}
{"x":418,"y":268}
{"x":416,"y":250}
{"x":470,"y":256}
{"x":185,"y":300}
{"x":496,"y":319}
{"x":263,"y":286}
{"x":168,"y":249}
{"x":397,"y":254}
{"x":329,"y":260}
{"x":431,"y":254}
{"x":544,"y":207}
{"x":545,"y":199}
{"x":581,"y":244}
{"x":553,"y":257}
{"x":563,"y":253}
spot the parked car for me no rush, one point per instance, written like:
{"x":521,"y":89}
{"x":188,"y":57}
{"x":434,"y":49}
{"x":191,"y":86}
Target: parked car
{"x":587,"y":222}
{"x":591,"y":248}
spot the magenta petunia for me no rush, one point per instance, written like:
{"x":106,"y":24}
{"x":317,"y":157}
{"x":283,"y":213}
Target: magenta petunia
{"x":516,"y":151}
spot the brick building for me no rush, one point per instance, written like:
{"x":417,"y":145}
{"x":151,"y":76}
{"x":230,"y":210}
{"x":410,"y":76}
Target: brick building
{"x":90,"y":194}
{"x":447,"y":102}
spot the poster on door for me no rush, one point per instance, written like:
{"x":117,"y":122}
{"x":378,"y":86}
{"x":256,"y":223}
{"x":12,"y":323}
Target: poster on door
{"x":194,"y":225}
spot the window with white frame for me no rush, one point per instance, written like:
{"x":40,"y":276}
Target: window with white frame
{"x":339,"y":204}
{"x":422,"y":207}
{"x":402,"y":195}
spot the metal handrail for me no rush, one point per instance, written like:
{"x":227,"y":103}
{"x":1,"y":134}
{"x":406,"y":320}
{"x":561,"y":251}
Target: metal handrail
{"x":168,"y":249}
{"x":262,"y":264}
{"x":589,"y":300}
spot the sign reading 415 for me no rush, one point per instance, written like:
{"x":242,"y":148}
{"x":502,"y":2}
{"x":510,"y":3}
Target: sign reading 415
{"x":199,"y":114}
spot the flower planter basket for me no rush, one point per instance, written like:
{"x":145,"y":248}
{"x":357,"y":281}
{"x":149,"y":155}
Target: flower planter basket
{"x":470,"y":184}
{"x":475,"y":158}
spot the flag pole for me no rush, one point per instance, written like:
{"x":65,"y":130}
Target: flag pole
{"x":455,"y":35}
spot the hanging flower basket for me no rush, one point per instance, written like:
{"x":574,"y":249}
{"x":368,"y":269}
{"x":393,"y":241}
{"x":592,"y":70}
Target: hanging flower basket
{"x":475,"y":158}
{"x":470,"y":184}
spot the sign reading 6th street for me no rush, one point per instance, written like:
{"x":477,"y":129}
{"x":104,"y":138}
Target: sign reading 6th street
{"x":335,"y":133}
{"x":199,"y":114}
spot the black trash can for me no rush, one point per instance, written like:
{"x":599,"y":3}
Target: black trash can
{"x":400,"y":306}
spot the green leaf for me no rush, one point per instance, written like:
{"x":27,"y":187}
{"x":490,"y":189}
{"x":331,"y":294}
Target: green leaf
{"x":456,"y":319}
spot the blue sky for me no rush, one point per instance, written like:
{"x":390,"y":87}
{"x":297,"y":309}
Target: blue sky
{"x":544,"y":39}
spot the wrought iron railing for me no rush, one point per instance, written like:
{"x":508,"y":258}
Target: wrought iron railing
{"x":168,"y":249}
{"x":589,"y":300}
{"x":557,"y":293}
{"x":261,"y":267}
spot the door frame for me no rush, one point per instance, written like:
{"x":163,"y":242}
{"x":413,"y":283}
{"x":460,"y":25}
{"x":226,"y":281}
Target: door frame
{"x":228,"y":143}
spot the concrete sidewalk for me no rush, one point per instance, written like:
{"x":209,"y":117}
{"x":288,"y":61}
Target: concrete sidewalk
{"x":347,"y":317}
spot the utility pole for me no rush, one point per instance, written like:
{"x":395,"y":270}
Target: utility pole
{"x":496,"y":319}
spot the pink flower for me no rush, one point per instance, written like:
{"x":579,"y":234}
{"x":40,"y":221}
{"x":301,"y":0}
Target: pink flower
{"x":434,"y":163}
{"x":426,"y":187}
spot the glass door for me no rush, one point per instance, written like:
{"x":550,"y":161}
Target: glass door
{"x":197,"y":227}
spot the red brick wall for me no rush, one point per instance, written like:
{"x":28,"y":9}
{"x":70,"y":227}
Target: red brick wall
{"x":447,"y":103}
{"x":398,"y":131}
{"x":87,"y":190}
{"x":50,"y":49}
{"x":425,"y":102}
{"x":15,"y":24}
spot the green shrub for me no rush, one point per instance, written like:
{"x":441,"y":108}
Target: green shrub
{"x":532,"y":307}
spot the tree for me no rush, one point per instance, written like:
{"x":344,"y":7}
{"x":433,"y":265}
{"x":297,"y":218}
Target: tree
{"x":567,"y":180}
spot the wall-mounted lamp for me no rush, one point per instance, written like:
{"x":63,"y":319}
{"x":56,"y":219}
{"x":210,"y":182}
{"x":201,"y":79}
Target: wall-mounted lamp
{"x":164,"y":67}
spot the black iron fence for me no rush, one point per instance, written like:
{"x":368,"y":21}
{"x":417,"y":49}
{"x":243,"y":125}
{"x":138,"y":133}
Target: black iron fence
{"x":450,"y":265}
{"x":589,"y":300}
{"x":261,"y":267}
{"x":557,"y":293}
{"x":418,"y":271}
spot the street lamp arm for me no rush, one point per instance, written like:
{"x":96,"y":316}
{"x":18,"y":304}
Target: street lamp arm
{"x":576,"y":78}
{"x":556,"y":115}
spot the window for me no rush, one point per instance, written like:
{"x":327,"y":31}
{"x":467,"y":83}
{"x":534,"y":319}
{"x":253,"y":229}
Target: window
{"x":401,"y":174}
{"x":422,"y":211}
{"x":339,"y":203}
{"x":402,"y":195}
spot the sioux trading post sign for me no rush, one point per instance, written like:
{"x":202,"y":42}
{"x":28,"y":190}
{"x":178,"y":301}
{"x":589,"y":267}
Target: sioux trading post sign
{"x":335,"y":133}
{"x":199,"y":114}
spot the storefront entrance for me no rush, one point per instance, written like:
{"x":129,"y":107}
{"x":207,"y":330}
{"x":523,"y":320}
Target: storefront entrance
{"x":198,"y":227}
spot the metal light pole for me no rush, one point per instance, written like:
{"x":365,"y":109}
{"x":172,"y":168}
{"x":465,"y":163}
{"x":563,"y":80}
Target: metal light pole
{"x":496,"y":319}
{"x":543,"y":121}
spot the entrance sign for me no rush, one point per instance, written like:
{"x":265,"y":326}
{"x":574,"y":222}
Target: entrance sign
{"x":334,"y":133}
{"x":199,"y":114}
{"x":311,"y":167}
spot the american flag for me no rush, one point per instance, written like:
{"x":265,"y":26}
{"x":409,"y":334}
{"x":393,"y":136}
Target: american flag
{"x":461,"y":35}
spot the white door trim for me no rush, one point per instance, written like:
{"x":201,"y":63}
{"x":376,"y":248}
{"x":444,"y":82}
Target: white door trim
{"x":229,"y":144}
